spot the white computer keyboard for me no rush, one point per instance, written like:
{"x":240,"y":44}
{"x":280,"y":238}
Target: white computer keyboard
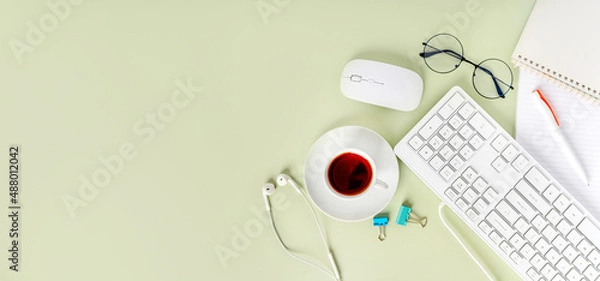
{"x":501,"y":192}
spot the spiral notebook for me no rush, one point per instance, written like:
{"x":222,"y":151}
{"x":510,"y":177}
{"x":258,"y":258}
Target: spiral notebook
{"x":560,"y":42}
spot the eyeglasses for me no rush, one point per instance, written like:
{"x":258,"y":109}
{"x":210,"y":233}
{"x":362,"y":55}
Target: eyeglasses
{"x":492,"y":78}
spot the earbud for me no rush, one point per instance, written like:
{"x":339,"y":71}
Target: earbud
{"x":268,"y":190}
{"x":283,"y":180}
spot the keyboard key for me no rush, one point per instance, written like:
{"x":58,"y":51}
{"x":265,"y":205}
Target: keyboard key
{"x":446,"y":111}
{"x":558,"y":278}
{"x":533,"y":274}
{"x":527,"y":251}
{"x":485,"y":227}
{"x":476,"y":142}
{"x":549,"y":232}
{"x":561,"y":203}
{"x":560,"y":243}
{"x":415,"y":142}
{"x":537,"y":179}
{"x":533,"y":197}
{"x":469,"y":174}
{"x":522,"y":226}
{"x":551,"y":193}
{"x":470,"y":195}
{"x":446,"y":132}
{"x":538,"y":262}
{"x":542,"y":246}
{"x":499,"y":143}
{"x":456,"y":142}
{"x":480,"y":205}
{"x":430,"y":127}
{"x":590,"y":231}
{"x":574,"y":215}
{"x":459,"y":184}
{"x":499,"y":224}
{"x":466,"y":111}
{"x":456,"y":162}
{"x":539,"y":223}
{"x":466,"y":152}
{"x":518,"y":259}
{"x":436,"y":163}
{"x":496,"y":238}
{"x":520,"y":204}
{"x":499,"y":164}
{"x":436,"y":142}
{"x":462,"y":205}
{"x":447,"y":172}
{"x":580,"y":263}
{"x":510,"y":153}
{"x":490,"y":194}
{"x":466,"y":132}
{"x":506,"y":248}
{"x":520,"y":163}
{"x":574,"y":237}
{"x":507,"y":212}
{"x":471,"y":214}
{"x":426,"y":152}
{"x":564,"y":227}
{"x":455,"y":101}
{"x":532,"y":236}
{"x":570,"y":254}
{"x":517,"y":241}
{"x":553,"y":217}
{"x":451,"y":194}
{"x":591,"y":273}
{"x":573,"y":275}
{"x":482,"y":126}
{"x":480,"y":185}
{"x":585,"y":247}
{"x":548,"y":271}
{"x":563,"y":266}
{"x":553,"y":256}
{"x":455,"y":122}
{"x":446,"y":152}
{"x":594,"y":258}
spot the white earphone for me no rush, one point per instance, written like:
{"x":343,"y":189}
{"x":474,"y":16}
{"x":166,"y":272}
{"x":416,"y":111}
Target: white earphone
{"x":268,"y":190}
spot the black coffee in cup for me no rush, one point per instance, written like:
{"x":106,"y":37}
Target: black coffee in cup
{"x":350,"y":174}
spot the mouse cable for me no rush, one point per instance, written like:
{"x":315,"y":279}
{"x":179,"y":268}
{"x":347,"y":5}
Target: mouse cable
{"x":440,"y":207}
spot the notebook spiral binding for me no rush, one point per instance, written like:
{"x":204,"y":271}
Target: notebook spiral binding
{"x":558,"y":78}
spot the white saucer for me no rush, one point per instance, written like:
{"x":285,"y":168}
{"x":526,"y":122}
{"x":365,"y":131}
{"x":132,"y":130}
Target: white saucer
{"x":370,"y":202}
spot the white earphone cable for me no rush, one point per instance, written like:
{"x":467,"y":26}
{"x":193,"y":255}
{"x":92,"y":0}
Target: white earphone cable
{"x":291,"y":253}
{"x":325,"y":241}
{"x":440,"y":207}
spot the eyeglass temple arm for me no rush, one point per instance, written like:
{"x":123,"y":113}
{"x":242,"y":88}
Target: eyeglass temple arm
{"x":437,"y":51}
{"x":498,"y":90}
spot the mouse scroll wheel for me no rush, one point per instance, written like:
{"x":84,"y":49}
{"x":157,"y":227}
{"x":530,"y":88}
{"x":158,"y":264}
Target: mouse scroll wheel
{"x":355,"y":78}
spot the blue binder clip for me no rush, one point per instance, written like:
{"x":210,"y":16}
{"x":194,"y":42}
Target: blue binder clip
{"x":405,"y":215}
{"x":381,"y":223}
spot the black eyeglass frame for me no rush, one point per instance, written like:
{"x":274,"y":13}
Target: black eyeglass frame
{"x":461,"y":58}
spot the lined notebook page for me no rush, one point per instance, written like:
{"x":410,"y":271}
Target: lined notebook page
{"x":580,"y":122}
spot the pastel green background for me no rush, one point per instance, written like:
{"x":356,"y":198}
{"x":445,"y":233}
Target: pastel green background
{"x":270,"y":88}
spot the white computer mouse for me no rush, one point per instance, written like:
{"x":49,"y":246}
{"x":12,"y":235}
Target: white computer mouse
{"x":382,"y":84}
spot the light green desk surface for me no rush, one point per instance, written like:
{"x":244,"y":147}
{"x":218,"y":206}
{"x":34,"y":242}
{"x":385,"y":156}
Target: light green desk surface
{"x":85,"y":81}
